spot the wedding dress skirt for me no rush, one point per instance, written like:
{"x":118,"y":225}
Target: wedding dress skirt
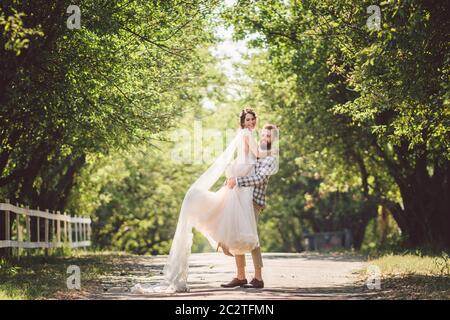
{"x":227,"y":216}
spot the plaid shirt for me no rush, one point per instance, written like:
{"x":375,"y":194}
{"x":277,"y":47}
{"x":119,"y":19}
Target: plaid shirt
{"x":263,"y":169}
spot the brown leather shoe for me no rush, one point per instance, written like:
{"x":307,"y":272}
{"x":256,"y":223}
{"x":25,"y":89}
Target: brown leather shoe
{"x":234,"y":283}
{"x":255,"y":283}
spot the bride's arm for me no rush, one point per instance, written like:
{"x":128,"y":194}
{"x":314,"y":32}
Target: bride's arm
{"x":250,"y":144}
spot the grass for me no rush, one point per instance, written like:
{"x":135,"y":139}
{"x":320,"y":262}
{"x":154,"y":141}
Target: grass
{"x":413,"y":264}
{"x":38,"y":277}
{"x":413,"y":276}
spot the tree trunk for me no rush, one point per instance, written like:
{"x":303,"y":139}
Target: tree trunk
{"x":37,"y":161}
{"x":368,"y":212}
{"x":425,"y":219}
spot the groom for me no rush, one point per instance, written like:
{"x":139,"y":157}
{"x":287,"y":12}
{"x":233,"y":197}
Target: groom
{"x":265,"y":166}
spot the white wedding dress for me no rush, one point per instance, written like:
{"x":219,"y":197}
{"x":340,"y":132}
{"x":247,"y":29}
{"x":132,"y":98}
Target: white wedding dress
{"x":225,"y":216}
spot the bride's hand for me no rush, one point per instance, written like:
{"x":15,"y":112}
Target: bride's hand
{"x":231,"y":182}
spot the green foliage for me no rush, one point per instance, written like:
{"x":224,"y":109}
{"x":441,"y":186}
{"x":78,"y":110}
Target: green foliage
{"x":17,"y":36}
{"x":381,"y":235}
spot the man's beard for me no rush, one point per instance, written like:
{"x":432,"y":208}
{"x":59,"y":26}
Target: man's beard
{"x":265,"y":146}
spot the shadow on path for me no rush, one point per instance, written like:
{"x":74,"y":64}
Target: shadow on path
{"x":286,"y":275}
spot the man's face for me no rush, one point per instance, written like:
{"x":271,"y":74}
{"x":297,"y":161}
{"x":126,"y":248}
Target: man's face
{"x":266,"y":139}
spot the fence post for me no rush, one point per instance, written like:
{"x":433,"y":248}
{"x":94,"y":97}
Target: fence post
{"x":66,"y":234}
{"x":19,"y":233}
{"x":28,"y":227}
{"x":46,"y":234}
{"x":58,"y":229}
{"x":70,"y":230}
{"x":38,"y":228}
{"x":5,"y":233}
{"x":53,"y":231}
{"x":7,"y":228}
{"x":76,"y":232}
{"x":52,"y":227}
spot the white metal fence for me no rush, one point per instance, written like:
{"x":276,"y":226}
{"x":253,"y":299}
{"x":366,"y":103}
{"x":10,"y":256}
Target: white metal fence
{"x":48,"y":230}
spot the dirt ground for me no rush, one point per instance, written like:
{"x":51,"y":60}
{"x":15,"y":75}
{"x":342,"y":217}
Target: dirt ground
{"x":286,"y":275}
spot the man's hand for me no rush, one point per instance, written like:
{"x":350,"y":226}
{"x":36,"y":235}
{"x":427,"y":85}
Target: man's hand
{"x":231,"y":182}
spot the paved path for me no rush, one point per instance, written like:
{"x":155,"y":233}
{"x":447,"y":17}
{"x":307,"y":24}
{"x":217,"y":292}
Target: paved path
{"x":286,"y":276}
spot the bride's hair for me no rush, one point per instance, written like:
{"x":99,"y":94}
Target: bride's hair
{"x":243,"y":113}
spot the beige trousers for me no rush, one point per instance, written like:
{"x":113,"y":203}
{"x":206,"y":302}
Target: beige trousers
{"x":256,"y":253}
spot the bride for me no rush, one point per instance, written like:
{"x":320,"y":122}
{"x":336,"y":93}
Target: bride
{"x":225,"y":217}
